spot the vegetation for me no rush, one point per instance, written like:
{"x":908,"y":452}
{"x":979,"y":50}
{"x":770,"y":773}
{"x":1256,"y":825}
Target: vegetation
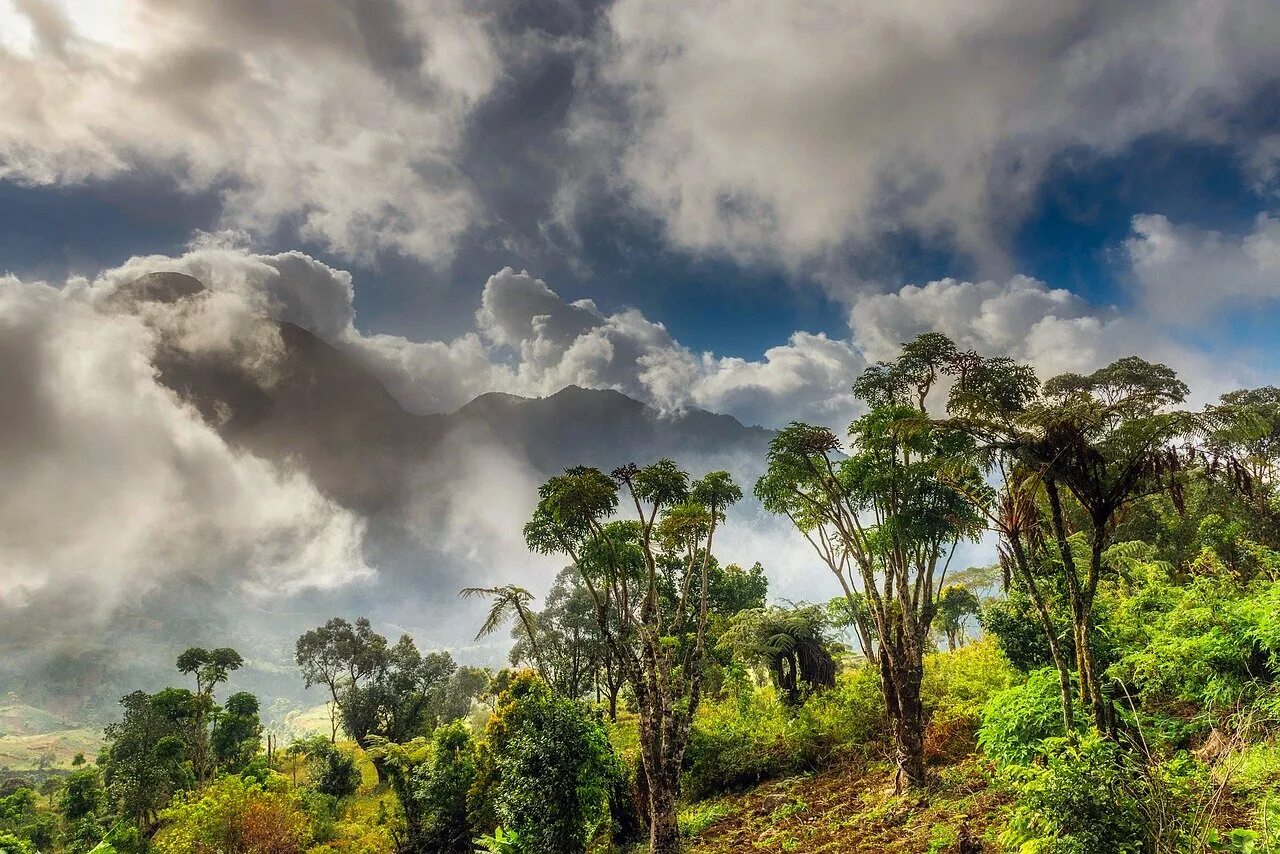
{"x":1111,"y":685}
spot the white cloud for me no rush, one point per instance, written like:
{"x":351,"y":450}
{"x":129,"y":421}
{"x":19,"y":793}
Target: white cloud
{"x":343,"y":119}
{"x":113,"y":485}
{"x":1185,"y":275}
{"x":1053,"y":330}
{"x":757,"y":127}
{"x":527,"y":340}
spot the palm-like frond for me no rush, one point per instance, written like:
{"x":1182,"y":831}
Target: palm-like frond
{"x":507,"y":600}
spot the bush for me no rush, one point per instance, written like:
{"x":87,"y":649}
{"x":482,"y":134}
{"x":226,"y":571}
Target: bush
{"x":334,"y":772}
{"x":752,"y":736}
{"x":850,"y":717}
{"x":543,"y":769}
{"x":233,"y":814}
{"x":1017,"y":721}
{"x":737,"y":744}
{"x":958,"y":684}
{"x":1076,"y":803}
{"x":439,"y":790}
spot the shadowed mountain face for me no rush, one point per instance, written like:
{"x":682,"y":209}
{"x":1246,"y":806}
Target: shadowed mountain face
{"x":443,"y":496}
{"x":327,"y":411}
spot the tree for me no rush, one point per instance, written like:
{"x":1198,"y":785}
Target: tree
{"x":574,"y":655}
{"x":509,"y":600}
{"x":1097,"y":443}
{"x":401,"y":698}
{"x":624,"y":565}
{"x":81,"y":805}
{"x":955,"y":605}
{"x":466,"y":685}
{"x":323,"y":654}
{"x":210,"y":669}
{"x":792,"y":644}
{"x":884,"y":519}
{"x":237,"y":732}
{"x":146,"y":760}
{"x":381,"y":691}
{"x":544,"y":769}
{"x":333,"y":771}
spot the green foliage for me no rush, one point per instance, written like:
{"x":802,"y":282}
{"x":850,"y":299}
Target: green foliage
{"x":955,"y":605}
{"x":81,"y":804}
{"x":25,"y":827}
{"x":1017,"y":629}
{"x":740,"y":743}
{"x":500,"y":842}
{"x":147,"y":758}
{"x":232,"y":814}
{"x":440,"y":788}
{"x":1211,"y":640}
{"x":753,"y":736}
{"x":959,"y":684}
{"x":1075,"y":803}
{"x":790,"y":642}
{"x":699,"y":817}
{"x":237,"y":732}
{"x":543,"y":769}
{"x":1017,"y":721}
{"x":333,"y":771}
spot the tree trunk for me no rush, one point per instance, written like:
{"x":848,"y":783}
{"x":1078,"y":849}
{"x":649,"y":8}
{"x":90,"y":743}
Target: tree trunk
{"x":1023,"y":566}
{"x":909,"y":730}
{"x":664,"y":828}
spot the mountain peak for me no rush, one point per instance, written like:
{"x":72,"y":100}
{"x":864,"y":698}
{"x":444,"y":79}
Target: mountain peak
{"x":158,"y":286}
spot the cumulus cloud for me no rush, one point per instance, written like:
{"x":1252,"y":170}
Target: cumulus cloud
{"x":112,"y":485}
{"x":758,"y":127}
{"x":1051,"y":329}
{"x":1184,"y":274}
{"x":342,"y":118}
{"x":527,"y":340}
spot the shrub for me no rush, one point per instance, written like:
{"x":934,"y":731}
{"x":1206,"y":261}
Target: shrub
{"x":752,"y":736}
{"x":334,"y":772}
{"x":233,"y":814}
{"x":959,"y":684}
{"x":1017,"y":721}
{"x":1076,"y":803}
{"x":742,"y":742}
{"x":543,"y":770}
{"x":440,"y":787}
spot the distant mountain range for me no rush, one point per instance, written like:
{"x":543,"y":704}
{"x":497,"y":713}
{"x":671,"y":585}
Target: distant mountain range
{"x":356,"y":440}
{"x":325,"y":412}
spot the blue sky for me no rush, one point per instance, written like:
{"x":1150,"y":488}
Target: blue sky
{"x":1069,"y":238}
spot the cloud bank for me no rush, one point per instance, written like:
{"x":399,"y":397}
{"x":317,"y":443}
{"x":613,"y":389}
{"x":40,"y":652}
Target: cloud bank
{"x":756,"y":129}
{"x":113,"y":485}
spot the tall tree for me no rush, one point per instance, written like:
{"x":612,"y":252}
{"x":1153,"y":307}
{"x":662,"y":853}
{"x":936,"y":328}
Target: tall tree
{"x":884,"y":520}
{"x":146,"y":759}
{"x":322,"y":655}
{"x":210,"y":667}
{"x":510,"y":600}
{"x":625,"y":565}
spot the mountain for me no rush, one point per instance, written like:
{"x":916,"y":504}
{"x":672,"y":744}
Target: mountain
{"x":324,"y":408}
{"x":443,"y":496}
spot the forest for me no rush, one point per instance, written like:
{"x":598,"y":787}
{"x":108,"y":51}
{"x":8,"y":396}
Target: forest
{"x":1107,"y":686}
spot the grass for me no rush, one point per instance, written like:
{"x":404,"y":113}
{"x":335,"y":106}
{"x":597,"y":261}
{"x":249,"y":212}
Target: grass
{"x":49,"y":749}
{"x":849,"y":809}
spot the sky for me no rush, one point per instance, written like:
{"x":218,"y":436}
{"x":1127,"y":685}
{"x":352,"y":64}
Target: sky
{"x":729,"y":205}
